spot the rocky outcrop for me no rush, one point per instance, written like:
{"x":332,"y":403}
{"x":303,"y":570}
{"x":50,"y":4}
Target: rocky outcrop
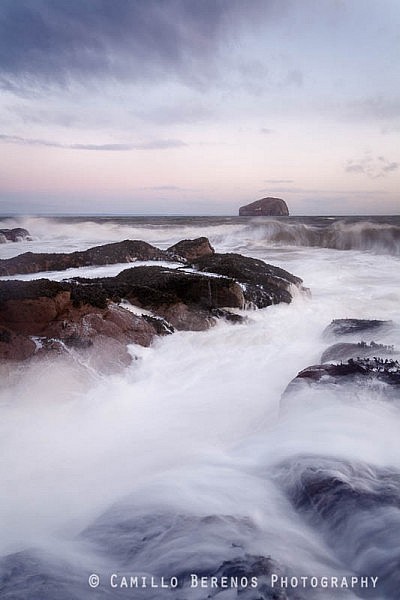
{"x":262,"y":284}
{"x":191,"y":249}
{"x":108,"y":254}
{"x":79,"y":318}
{"x":186,"y":300}
{"x":374,"y":375}
{"x":14,"y":235}
{"x":83,"y":314}
{"x":266,"y":207}
{"x":386,"y":370}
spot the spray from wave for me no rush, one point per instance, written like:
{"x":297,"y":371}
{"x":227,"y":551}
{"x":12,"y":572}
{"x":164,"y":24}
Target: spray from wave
{"x":379,"y":235}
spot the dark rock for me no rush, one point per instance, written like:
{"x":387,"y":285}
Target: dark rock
{"x":366,"y":372}
{"x":356,"y":507}
{"x":80,"y":312}
{"x":161,"y":326}
{"x":184,"y":299}
{"x":37,"y":575}
{"x":340,"y":327}
{"x":132,"y":540}
{"x":108,"y":254}
{"x":344,"y":351}
{"x":266,"y":207}
{"x":14,"y":235}
{"x":262,"y":284}
{"x":14,"y":346}
{"x":222,"y":313}
{"x":148,"y":546}
{"x":191,"y":249}
{"x":386,"y":370}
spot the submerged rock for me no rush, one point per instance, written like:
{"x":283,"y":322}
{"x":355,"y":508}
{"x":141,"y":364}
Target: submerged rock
{"x":14,"y":235}
{"x":172,"y":544}
{"x":340,"y":327}
{"x":344,"y":351}
{"x":356,"y":507}
{"x":274,"y":207}
{"x":378,"y":374}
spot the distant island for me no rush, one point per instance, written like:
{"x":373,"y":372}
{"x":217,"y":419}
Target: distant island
{"x":266,"y":207}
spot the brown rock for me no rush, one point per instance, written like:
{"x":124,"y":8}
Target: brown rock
{"x":54,"y":313}
{"x":14,"y":346}
{"x":192,"y":249}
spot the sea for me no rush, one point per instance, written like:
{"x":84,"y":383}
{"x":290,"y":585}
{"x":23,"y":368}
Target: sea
{"x":180,"y":477}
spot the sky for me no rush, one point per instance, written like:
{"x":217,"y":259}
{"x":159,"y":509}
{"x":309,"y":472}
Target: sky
{"x":199,"y":106}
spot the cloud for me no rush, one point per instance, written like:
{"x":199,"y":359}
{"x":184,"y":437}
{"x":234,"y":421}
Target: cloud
{"x":376,"y":107}
{"x":46,"y":42}
{"x":372,"y":167}
{"x":294,"y":77}
{"x":266,"y":131}
{"x":150,"y":145}
{"x":165,"y":188}
{"x":274,"y":181}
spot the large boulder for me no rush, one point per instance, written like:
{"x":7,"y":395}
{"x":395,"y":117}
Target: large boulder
{"x":191,"y":249}
{"x":262,"y":284}
{"x":266,"y":207}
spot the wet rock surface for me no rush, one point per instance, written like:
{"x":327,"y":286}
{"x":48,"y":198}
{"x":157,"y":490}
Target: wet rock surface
{"x":356,"y":506}
{"x":192,"y":249}
{"x":377,"y":375}
{"x":343,"y":327}
{"x":262,"y":284}
{"x":186,"y":300}
{"x":108,"y":254}
{"x":137,"y":541}
{"x":83,"y":314}
{"x":80,"y":318}
{"x":361,"y":365}
{"x":344,"y":351}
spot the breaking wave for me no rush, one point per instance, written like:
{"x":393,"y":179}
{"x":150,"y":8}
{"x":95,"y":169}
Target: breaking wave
{"x":379,"y":235}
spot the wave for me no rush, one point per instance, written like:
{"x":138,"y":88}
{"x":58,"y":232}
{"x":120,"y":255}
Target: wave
{"x":379,"y":235}
{"x":380,"y":238}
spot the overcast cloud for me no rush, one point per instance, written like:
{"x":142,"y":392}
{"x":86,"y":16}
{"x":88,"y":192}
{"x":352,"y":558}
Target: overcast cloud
{"x":227,"y":97}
